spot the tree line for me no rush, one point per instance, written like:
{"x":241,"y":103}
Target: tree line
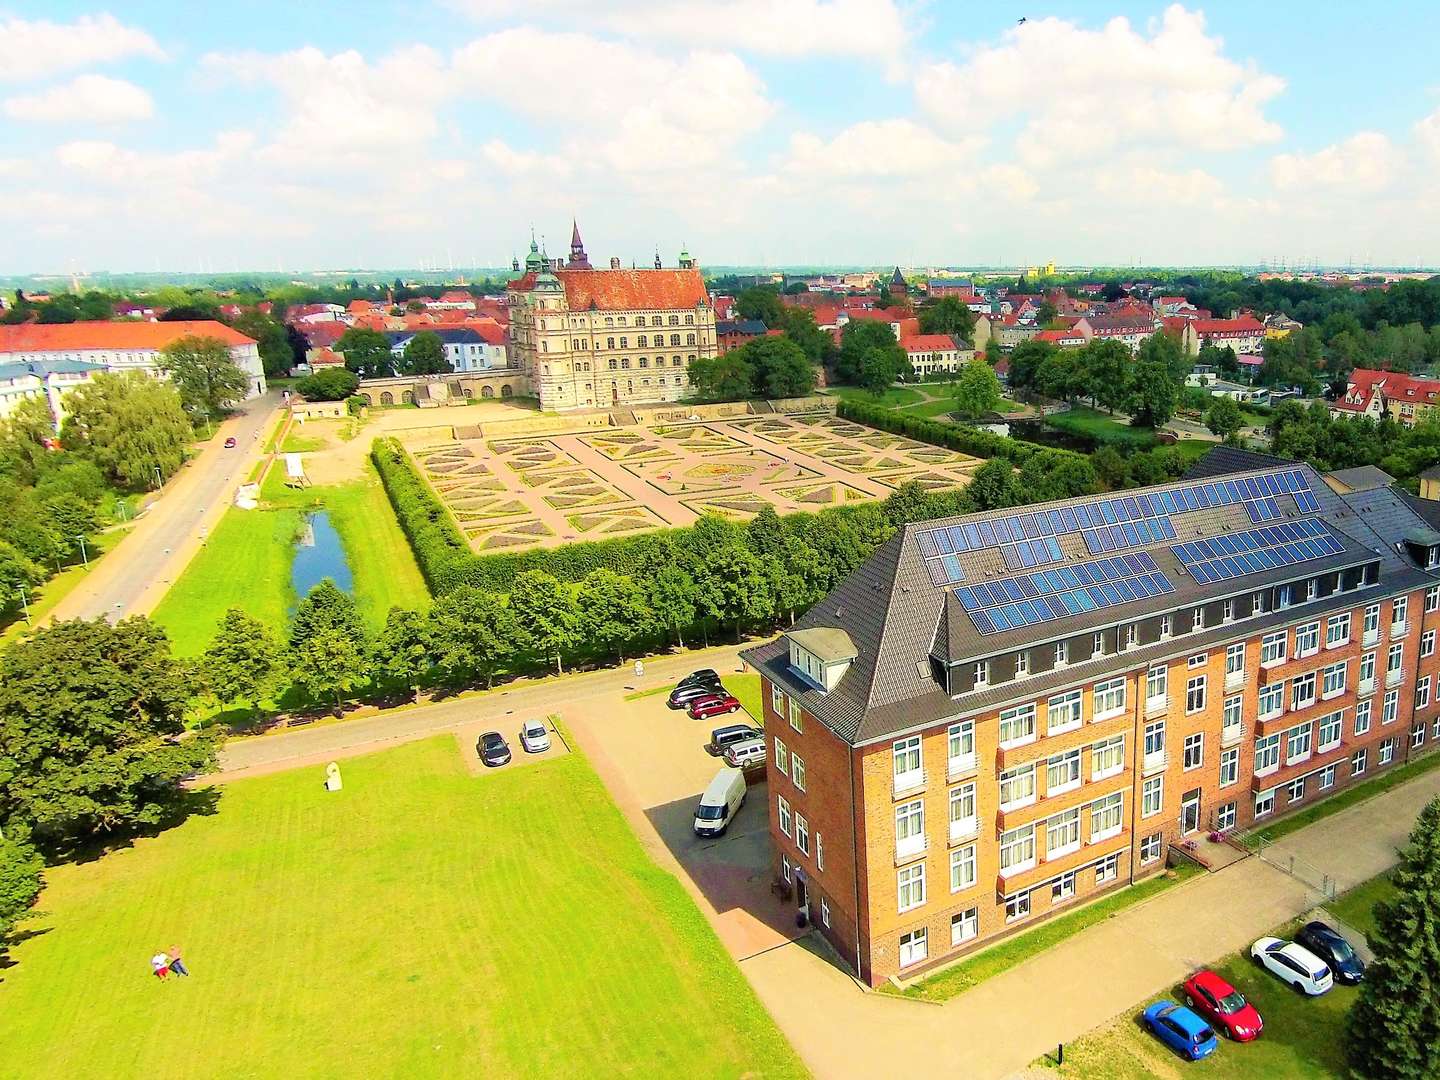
{"x":1146,"y":384}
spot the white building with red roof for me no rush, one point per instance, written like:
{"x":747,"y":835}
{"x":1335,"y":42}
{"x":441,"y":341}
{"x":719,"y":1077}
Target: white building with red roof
{"x":600,"y":338}
{"x":1244,"y":335}
{"x":1406,"y":399}
{"x":1062,"y":339}
{"x":932,"y":354}
{"x":1133,"y":330}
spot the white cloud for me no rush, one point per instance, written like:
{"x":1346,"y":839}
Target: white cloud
{"x":880,"y":148}
{"x":1145,"y":183}
{"x":122,"y":168}
{"x":1427,"y":133}
{"x":865,"y":28}
{"x":1088,"y":92}
{"x":1365,"y":162}
{"x":94,"y":99}
{"x":39,"y":48}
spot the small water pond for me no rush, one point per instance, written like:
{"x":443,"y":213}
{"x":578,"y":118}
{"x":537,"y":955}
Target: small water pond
{"x":318,"y":555}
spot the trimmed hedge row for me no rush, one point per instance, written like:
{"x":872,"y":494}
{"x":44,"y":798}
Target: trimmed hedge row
{"x":447,"y":561}
{"x":966,"y":440}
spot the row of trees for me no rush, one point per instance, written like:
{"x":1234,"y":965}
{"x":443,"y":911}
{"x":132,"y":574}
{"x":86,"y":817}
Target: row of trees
{"x":1311,"y":434}
{"x":367,"y":354}
{"x":768,"y":367}
{"x":1146,"y":384}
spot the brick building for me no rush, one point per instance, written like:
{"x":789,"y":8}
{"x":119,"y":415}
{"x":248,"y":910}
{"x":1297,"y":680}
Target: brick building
{"x":1001,"y":715}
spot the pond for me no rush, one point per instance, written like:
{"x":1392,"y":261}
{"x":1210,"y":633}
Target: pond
{"x":1037,"y":431}
{"x":318,"y":555}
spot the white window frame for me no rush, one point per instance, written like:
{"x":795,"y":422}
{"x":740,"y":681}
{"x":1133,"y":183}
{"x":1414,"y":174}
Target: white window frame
{"x":1066,"y":764}
{"x":1062,"y":833}
{"x":1017,"y":786}
{"x":1107,"y":816}
{"x":1195,"y":689}
{"x":914,"y":947}
{"x":1198,"y":660}
{"x":962,"y":824}
{"x":1399,"y":608}
{"x":1017,"y":849}
{"x":784,"y":813}
{"x":777,"y":699}
{"x":957,"y":738}
{"x":908,"y":752}
{"x":1021,"y":721}
{"x":909,"y":828}
{"x":782,"y":758}
{"x":1327,"y":778}
{"x":1328,"y":731}
{"x":1235,"y":659}
{"x":1333,"y":678}
{"x":1193,"y":751}
{"x":1295,"y":790}
{"x":1157,"y":686}
{"x":1267,"y":753}
{"x":1225,"y":817}
{"x":1358,"y":761}
{"x":963,"y":872}
{"x":1307,"y":640}
{"x":1271,"y":700}
{"x":1272,"y":649}
{"x":1017,"y":907}
{"x":1337,"y":630}
{"x":910,"y":887}
{"x":1107,"y":869}
{"x":1100,"y":752}
{"x":1363,"y":716}
{"x":1299,"y":743}
{"x":964,"y":926}
{"x":802,"y":834}
{"x":797,"y":771}
{"x":1422,"y":693}
{"x":1390,"y":710}
{"x":1303,"y":691}
{"x":1063,"y":887}
{"x":1229,"y":766}
{"x":1387,"y":752}
{"x":1264,"y":803}
{"x":1152,"y":795}
{"x":1151,"y":848}
{"x":1063,"y":712}
{"x":1107,"y":699}
{"x":1427,"y":642}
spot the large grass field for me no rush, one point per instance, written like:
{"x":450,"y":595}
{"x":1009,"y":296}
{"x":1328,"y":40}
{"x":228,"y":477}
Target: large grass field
{"x":1303,"y":1037}
{"x":246,"y":561}
{"x":421,"y":922}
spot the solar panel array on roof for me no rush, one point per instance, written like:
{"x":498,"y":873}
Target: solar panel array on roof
{"x":1234,"y":555}
{"x":1066,"y":590}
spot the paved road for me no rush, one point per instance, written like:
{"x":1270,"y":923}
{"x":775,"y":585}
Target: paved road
{"x":506,"y":707}
{"x":131,"y":579}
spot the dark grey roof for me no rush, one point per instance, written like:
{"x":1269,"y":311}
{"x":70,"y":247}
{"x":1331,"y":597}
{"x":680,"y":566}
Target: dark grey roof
{"x":1223,"y":460}
{"x":1360,"y":478}
{"x":898,"y":619}
{"x":1432,"y":473}
{"x":1427,"y":510}
{"x":740,"y":326}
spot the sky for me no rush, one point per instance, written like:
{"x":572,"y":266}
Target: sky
{"x":782,"y":132}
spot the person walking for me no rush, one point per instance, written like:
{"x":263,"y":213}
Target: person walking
{"x":161,"y":963}
{"x":176,"y":964}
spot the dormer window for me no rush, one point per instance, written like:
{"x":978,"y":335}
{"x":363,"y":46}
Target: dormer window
{"x":821,"y":655}
{"x":1022,"y":663}
{"x":982,"y":674}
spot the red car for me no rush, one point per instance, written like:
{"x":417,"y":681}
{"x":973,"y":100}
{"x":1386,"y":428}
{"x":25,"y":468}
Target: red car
{"x":1224,"y":1006}
{"x":706,"y":707}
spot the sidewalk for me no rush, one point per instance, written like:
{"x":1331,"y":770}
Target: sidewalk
{"x":998,"y":1028}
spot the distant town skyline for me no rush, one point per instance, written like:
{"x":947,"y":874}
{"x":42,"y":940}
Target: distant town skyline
{"x":801,"y":133}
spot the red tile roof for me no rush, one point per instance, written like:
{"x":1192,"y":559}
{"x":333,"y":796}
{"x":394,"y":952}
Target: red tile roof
{"x":1245,"y":325}
{"x":1363,"y":383}
{"x":626,"y":290}
{"x":928,"y":343}
{"x":1055,"y":337}
{"x":128,"y":334}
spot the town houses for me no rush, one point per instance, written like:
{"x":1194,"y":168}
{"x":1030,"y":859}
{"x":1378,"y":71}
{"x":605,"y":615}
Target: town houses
{"x":1405,"y":399}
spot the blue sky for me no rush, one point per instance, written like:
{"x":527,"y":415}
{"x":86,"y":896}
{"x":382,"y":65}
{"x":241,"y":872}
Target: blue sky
{"x":839,"y":131}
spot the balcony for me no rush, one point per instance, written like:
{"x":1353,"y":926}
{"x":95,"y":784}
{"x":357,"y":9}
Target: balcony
{"x":1231,"y":735}
{"x":1397,"y":630}
{"x":1234,"y":680}
{"x":909,"y":783}
{"x":1156,"y":705}
{"x":911,"y":847}
{"x":1392,"y":678}
{"x":1370,"y":637}
{"x":1365,"y":686}
{"x":964,"y":829}
{"x":961,"y":766}
{"x":1153,"y":763}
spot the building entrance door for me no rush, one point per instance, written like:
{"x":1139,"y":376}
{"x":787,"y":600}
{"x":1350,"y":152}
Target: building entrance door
{"x":1190,"y":812}
{"x":802,"y":895}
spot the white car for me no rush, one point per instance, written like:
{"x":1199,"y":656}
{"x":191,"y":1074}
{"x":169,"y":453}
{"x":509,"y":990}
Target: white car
{"x":1293,"y":964}
{"x":534,"y":738}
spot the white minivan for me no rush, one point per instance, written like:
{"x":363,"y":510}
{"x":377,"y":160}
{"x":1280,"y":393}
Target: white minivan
{"x":720,"y":803}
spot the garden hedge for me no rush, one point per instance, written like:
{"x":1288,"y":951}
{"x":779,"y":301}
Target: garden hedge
{"x":966,"y":440}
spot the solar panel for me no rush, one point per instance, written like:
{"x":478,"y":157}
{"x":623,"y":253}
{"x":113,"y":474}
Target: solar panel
{"x":1046,"y":595}
{"x":1306,"y":502}
{"x":1260,"y":549}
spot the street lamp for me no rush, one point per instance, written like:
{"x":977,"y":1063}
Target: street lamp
{"x":83,"y":553}
{"x":25,"y":603}
{"x":158,"y":481}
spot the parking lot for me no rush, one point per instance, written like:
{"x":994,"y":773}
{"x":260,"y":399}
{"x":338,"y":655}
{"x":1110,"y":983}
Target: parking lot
{"x":469,"y":735}
{"x":654,"y":762}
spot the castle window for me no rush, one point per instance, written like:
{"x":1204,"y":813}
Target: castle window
{"x":644,"y":362}
{"x":689,"y":339}
{"x":609,"y":321}
{"x":674,"y":361}
{"x":624,"y":343}
{"x":689,"y":320}
{"x":674,"y":320}
{"x":609,"y":342}
{"x":625,"y":362}
{"x":674,"y":339}
{"x":614,"y":364}
{"x":656,"y":321}
{"x":643,"y":341}
{"x":622,"y":320}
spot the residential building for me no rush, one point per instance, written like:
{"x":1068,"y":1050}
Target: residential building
{"x":732,"y":333}
{"x":932,"y":354}
{"x":587,"y":338}
{"x":468,"y":348}
{"x":1244,"y":335}
{"x":50,"y":379}
{"x":122,"y":346}
{"x":1133,"y":330}
{"x":1001,"y":715}
{"x":1279,"y":325}
{"x":1405,"y":399}
{"x":1062,"y":339}
{"x":962,"y":288}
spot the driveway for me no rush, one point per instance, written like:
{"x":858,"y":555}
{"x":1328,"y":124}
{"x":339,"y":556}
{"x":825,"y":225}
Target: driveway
{"x":131,"y":579}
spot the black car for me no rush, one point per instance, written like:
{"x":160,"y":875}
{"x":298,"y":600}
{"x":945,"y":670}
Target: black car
{"x":492,"y":749}
{"x":704,"y":677}
{"x":1334,"y":950}
{"x":682,"y":696}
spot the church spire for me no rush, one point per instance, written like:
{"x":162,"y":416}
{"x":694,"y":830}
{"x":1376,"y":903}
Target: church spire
{"x":578,"y":259}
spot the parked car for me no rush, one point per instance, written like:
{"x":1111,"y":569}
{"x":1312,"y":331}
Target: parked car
{"x":1332,"y":948}
{"x":742,"y":755}
{"x":230,"y":443}
{"x":1293,"y":964}
{"x":1181,"y":1030}
{"x":1223,"y":1006}
{"x":703,"y":677}
{"x":682,"y":696}
{"x":493,"y":749}
{"x":712,"y":705}
{"x":720,"y":803}
{"x":722,"y":737}
{"x":534,"y":737}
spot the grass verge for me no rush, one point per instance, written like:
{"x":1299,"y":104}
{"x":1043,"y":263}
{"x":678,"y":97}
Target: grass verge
{"x":1357,"y":907}
{"x":420,"y":922}
{"x":1356,"y":793}
{"x":1004,"y":956}
{"x":746,"y":689}
{"x":894,"y":397}
{"x":47,"y":596}
{"x":638,"y":694}
{"x":1104,"y":429}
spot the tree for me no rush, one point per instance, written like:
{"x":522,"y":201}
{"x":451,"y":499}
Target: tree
{"x":1025,"y":362}
{"x":367,"y":353}
{"x":25,"y":436}
{"x":17,"y":572}
{"x":128,"y":424}
{"x":324,"y":608}
{"x":205,"y":373}
{"x":1153,"y":393}
{"x":880,"y":367}
{"x":425,"y":355}
{"x":329,"y":662}
{"x":858,"y":338}
{"x":1045,"y":314}
{"x":1224,"y":418}
{"x":242,"y":662}
{"x":402,"y":652}
{"x":74,"y":521}
{"x":760,"y":302}
{"x":672,"y":597}
{"x":89,"y":719}
{"x":547,"y":615}
{"x":474,"y":633}
{"x":733,"y":587}
{"x":1393,"y":1030}
{"x":277,"y":355}
{"x":798,"y":323}
{"x":613,"y":610}
{"x":727,"y":377}
{"x":948,"y":315}
{"x":977,"y":390}
{"x":994,"y":487}
{"x":329,"y":384}
{"x":1106,"y":365}
{"x":20,"y":868}
{"x":780,"y":367}
{"x":1165,"y":350}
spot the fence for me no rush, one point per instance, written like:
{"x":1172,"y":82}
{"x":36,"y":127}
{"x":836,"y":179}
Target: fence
{"x":1255,"y":842}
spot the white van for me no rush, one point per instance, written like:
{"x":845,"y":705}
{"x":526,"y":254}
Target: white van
{"x":720,"y":803}
{"x":743,"y":755}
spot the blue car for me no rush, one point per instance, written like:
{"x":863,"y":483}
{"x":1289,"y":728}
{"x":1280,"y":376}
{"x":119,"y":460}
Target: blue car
{"x":1181,"y":1030}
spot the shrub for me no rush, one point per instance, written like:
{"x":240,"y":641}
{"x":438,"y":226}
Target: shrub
{"x":331,"y":384}
{"x":966,"y":440}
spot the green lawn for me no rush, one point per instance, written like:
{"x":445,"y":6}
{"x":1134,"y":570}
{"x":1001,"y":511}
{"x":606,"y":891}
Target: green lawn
{"x":296,"y":443}
{"x":746,"y":689}
{"x":1100,"y":426}
{"x":985,"y":965}
{"x":1194,"y":449}
{"x":245,"y":563}
{"x":893,"y":397}
{"x":1350,"y":796}
{"x":421,"y":922}
{"x":1357,"y":907}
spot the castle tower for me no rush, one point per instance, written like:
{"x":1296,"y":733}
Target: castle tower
{"x":534,"y":262}
{"x":686,"y":262}
{"x":898,"y":288}
{"x":657,"y":258}
{"x":578,"y":259}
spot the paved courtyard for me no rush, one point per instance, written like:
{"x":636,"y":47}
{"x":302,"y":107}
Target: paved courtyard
{"x":541,"y":490}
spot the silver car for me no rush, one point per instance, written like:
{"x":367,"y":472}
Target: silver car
{"x":534,"y":737}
